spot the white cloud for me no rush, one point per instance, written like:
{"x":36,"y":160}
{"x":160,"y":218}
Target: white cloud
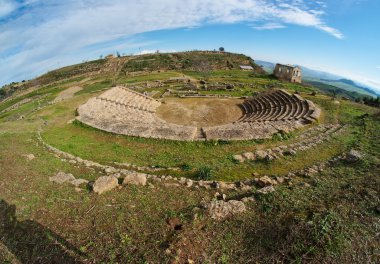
{"x":43,"y":33}
{"x":7,"y":7}
{"x":144,"y":52}
{"x":269,"y":26}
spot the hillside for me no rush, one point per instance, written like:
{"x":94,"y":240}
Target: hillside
{"x":318,"y":78}
{"x":202,"y":61}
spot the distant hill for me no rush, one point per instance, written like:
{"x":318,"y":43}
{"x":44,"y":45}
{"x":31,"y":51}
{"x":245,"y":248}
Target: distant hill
{"x":313,"y":77}
{"x":114,"y":66}
{"x":194,"y":61}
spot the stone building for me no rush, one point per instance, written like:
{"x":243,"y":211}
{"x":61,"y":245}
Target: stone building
{"x":288,"y":72}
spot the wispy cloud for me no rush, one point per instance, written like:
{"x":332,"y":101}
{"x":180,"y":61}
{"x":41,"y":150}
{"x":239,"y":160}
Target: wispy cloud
{"x":378,"y":67}
{"x":269,"y":26}
{"x":7,"y":7}
{"x":38,"y":35}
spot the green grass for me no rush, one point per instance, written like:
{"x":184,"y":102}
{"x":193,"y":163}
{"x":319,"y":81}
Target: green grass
{"x":333,"y":221}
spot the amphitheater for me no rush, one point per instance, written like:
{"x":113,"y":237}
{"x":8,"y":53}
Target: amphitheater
{"x":124,"y":111}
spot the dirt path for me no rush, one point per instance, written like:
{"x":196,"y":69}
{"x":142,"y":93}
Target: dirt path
{"x":67,"y":94}
{"x":200,"y":112}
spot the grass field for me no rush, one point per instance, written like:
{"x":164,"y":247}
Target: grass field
{"x":334,"y":218}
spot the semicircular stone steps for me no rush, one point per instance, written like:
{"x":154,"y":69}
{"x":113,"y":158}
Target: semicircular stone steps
{"x":123,"y":111}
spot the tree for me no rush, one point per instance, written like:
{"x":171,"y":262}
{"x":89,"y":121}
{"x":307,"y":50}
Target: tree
{"x":203,"y":68}
{"x":118,"y":54}
{"x":221,"y":49}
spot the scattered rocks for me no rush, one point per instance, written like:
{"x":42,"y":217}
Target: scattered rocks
{"x":62,"y":177}
{"x":220,"y":209}
{"x":104,"y":184}
{"x":135,"y":179}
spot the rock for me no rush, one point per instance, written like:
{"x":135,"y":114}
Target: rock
{"x":280,"y":179}
{"x":223,"y":185}
{"x":72,"y":161}
{"x":304,"y":184}
{"x":169,"y":184}
{"x":290,"y":152}
{"x":261,"y":155}
{"x":265,"y":181}
{"x":248,"y":199}
{"x":266,"y":190}
{"x":215,"y":185}
{"x":189,"y":183}
{"x":245,"y":188}
{"x":104,"y":184}
{"x":29,"y":157}
{"x":353,"y":156}
{"x":78,"y":182}
{"x":174,"y":223}
{"x":249,"y":156}
{"x":62,"y":177}
{"x":220,"y":210}
{"x":239,"y":158}
{"x":109,"y":170}
{"x":135,"y":179}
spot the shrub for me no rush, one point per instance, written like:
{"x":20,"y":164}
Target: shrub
{"x":204,"y":173}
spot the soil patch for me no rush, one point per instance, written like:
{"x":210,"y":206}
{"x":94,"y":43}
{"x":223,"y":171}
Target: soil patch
{"x":201,"y":112}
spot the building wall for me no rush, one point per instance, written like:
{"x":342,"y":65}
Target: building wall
{"x":288,"y":73}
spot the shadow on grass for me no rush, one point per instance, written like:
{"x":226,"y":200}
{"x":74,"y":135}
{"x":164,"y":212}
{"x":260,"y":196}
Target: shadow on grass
{"x":31,"y":242}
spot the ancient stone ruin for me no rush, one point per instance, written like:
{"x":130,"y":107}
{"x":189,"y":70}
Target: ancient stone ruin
{"x":124,"y":111}
{"x":288,"y":73}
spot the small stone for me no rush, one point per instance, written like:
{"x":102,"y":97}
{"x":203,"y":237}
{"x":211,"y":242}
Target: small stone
{"x":353,"y":156}
{"x":265,"y":190}
{"x":248,"y":199}
{"x":239,"y":158}
{"x":280,"y":179}
{"x":72,"y":161}
{"x":249,"y":156}
{"x":215,"y":185}
{"x":305,"y":184}
{"x":189,"y":183}
{"x":77,"y":189}
{"x":29,"y":157}
{"x":109,"y":170}
{"x":62,"y":177}
{"x":78,"y":182}
{"x":135,"y":179}
{"x":104,"y":184}
{"x":220,"y":210}
{"x":169,"y":184}
{"x":261,"y":155}
{"x":265,"y":181}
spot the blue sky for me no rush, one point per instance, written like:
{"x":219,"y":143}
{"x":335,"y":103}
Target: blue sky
{"x":341,"y":37}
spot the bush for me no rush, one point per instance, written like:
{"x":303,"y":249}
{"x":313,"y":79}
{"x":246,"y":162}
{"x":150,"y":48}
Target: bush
{"x":185,"y":167}
{"x":204,"y":173}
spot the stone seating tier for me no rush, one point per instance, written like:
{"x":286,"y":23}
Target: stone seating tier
{"x":124,"y":111}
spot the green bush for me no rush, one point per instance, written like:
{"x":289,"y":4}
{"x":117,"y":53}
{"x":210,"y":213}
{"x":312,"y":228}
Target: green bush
{"x":204,"y":173}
